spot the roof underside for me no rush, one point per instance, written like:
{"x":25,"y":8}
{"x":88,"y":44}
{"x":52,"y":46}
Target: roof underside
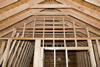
{"x":16,"y":12}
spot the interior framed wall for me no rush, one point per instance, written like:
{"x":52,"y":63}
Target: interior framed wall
{"x":52,"y":33}
{"x":88,"y":50}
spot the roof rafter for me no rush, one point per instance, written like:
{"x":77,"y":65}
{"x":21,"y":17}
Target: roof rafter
{"x":4,"y":3}
{"x":70,"y":4}
{"x":66,"y":4}
{"x":67,"y":12}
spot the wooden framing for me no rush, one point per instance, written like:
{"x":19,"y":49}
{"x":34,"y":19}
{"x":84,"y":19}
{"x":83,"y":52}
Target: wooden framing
{"x":54,"y":57}
{"x":7,"y":2}
{"x":9,"y":65}
{"x":66,"y":4}
{"x":2,"y":47}
{"x":37,"y":53}
{"x":19,"y":60}
{"x":34,"y":27}
{"x":69,"y":4}
{"x":66,"y":52}
{"x":38,"y":41}
{"x":29,"y":56}
{"x":50,"y":6}
{"x":96,"y":53}
{"x":92,"y":57}
{"x":14,"y":11}
{"x":18,"y":53}
{"x":26,"y":49}
{"x":18,"y":18}
{"x":88,"y":11}
{"x":98,"y":47}
{"x":41,"y":57}
{"x":6,"y":53}
{"x":96,"y":2}
{"x":1,"y":51}
{"x":1,"y":35}
{"x":24,"y":55}
{"x":74,"y":14}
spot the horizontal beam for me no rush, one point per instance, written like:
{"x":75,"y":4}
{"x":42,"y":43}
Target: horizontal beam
{"x":70,"y":4}
{"x":26,"y":38}
{"x":51,"y":27}
{"x":50,"y":6}
{"x":68,"y":48}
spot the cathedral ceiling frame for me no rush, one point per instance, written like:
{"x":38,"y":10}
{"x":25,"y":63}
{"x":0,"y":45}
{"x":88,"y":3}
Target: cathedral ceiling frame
{"x":65,"y":12}
{"x":32,"y":4}
{"x":66,"y":4}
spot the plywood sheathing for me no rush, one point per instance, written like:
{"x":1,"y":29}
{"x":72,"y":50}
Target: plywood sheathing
{"x":86,"y":15}
{"x":19,"y":24}
{"x":86,"y":25}
{"x":9,"y":18}
{"x":86,"y":4}
{"x":16,"y":4}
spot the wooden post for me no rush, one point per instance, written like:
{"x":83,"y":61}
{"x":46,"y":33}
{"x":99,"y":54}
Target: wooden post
{"x":37,"y":53}
{"x":64,"y":27}
{"x":28,"y":59}
{"x":85,"y":59}
{"x":43,"y":31}
{"x":98,"y":47}
{"x":74,"y":33}
{"x":34,"y":26}
{"x":2,"y":47}
{"x":66,"y":52}
{"x":74,"y":29}
{"x":87,"y":30}
{"x":96,"y":55}
{"x":53,"y":33}
{"x":1,"y":52}
{"x":64,"y":32}
{"x":6,"y":53}
{"x":9,"y":65}
{"x":24,"y":54}
{"x":24,"y":30}
{"x":92,"y":57}
{"x":54,"y":58}
{"x":41,"y":57}
{"x":14,"y":32}
{"x":78,"y":59}
{"x":21,"y":54}
{"x":13,"y":44}
{"x":18,"y":53}
{"x":43,"y":27}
